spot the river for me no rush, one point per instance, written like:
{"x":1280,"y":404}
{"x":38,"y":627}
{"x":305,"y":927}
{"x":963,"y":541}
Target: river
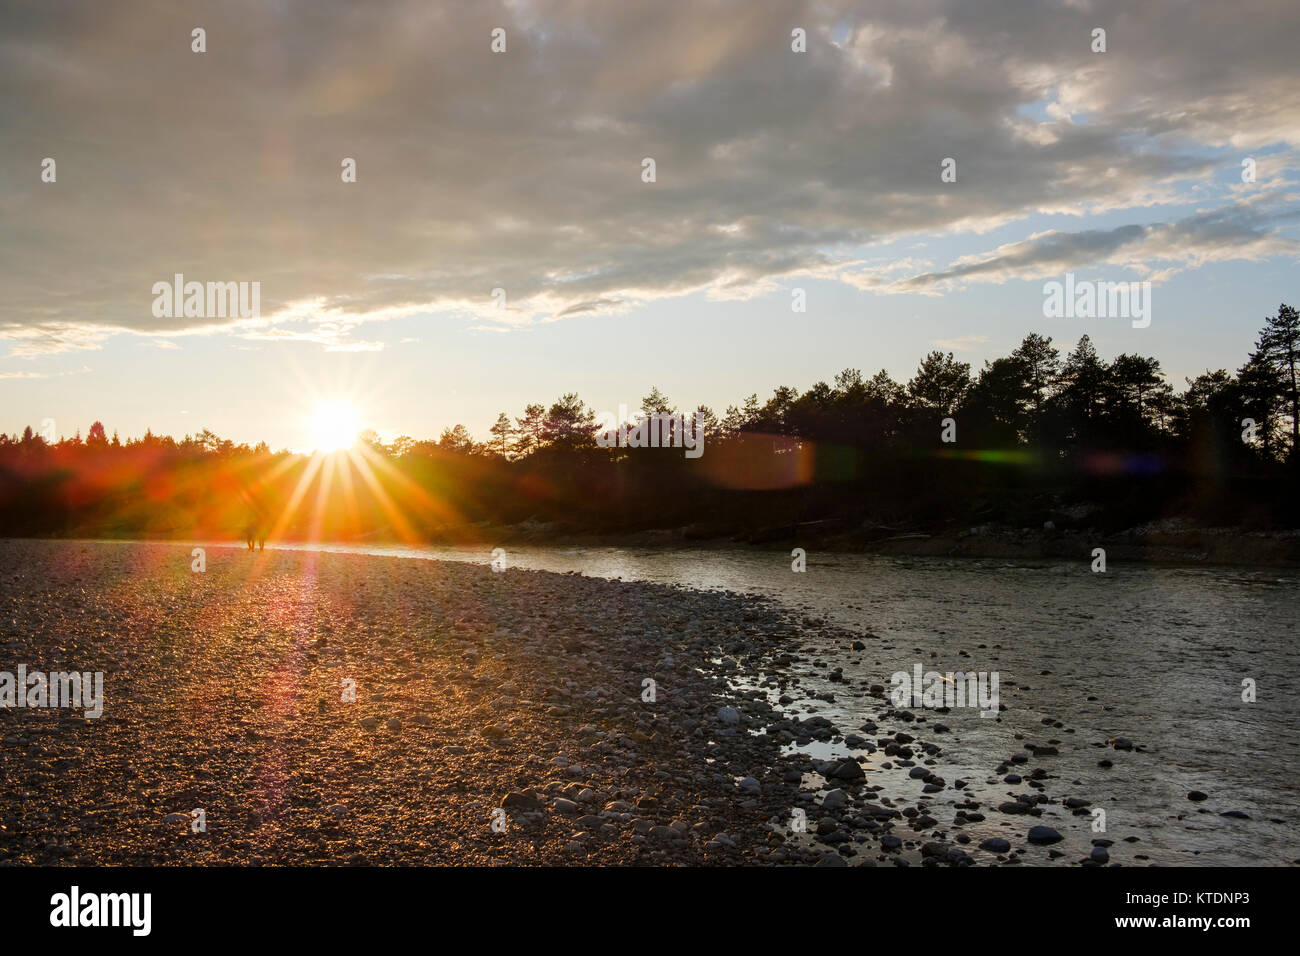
{"x":1155,"y":654}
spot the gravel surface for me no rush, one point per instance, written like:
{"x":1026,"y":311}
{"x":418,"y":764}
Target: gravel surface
{"x":475,"y":690}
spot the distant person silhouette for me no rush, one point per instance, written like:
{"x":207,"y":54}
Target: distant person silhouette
{"x":258,"y":520}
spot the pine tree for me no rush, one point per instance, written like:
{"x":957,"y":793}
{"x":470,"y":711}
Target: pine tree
{"x":1279,"y":344}
{"x":528,"y":434}
{"x":502,"y":432}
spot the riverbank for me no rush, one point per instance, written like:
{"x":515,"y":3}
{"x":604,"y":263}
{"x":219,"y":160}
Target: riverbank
{"x":766,"y":736}
{"x":474,"y":691}
{"x":1172,"y":543}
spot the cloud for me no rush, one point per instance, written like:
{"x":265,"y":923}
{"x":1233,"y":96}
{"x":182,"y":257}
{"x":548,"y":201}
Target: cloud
{"x":522,"y":170}
{"x":963,"y":344}
{"x":1248,"y":229}
{"x":25,"y":375}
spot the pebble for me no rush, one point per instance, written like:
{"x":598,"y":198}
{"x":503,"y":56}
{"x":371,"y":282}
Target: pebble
{"x":1043,"y":835}
{"x":835,"y":799}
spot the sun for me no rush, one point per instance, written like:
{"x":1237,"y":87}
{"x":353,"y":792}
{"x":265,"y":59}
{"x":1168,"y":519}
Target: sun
{"x":333,"y":425}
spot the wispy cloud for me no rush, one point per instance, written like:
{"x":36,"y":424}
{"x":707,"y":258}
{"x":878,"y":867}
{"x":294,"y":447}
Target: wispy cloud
{"x":1243,"y":230}
{"x":962,"y":344}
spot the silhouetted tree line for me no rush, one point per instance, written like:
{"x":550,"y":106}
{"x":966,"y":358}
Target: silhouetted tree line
{"x":1031,"y":434}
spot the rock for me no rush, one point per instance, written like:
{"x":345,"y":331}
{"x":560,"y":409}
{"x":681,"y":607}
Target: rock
{"x":1197,"y":796}
{"x":729,"y":715}
{"x":995,"y":845}
{"x":845,"y":770}
{"x":518,"y":802}
{"x":1099,"y":854}
{"x":1122,"y":743}
{"x":750,"y":785}
{"x":835,"y":800}
{"x":1043,"y":836}
{"x":890,"y":842}
{"x":369,"y":723}
{"x":394,"y":724}
{"x":338,"y":810}
{"x":564,"y":805}
{"x":177,"y":818}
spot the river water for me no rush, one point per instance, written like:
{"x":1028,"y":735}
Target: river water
{"x":1155,"y":654}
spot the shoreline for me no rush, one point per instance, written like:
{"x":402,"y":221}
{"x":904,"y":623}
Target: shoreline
{"x":1181,"y":547}
{"x":516,"y":697}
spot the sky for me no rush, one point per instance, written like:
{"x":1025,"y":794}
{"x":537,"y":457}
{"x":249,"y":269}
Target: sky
{"x":523,"y":170}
